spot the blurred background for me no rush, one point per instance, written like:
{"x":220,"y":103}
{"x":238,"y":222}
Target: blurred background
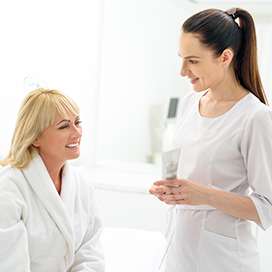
{"x":118,"y":60}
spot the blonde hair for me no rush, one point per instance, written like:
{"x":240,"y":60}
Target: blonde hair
{"x":38,"y":111}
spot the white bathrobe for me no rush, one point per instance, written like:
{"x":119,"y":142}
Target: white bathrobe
{"x":42,"y":231}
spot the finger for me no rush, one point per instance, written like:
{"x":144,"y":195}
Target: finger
{"x":172,"y":182}
{"x":176,"y":190}
{"x":166,"y":190}
{"x":178,"y":202}
{"x":159,"y":190}
{"x":154,"y":188}
{"x":152,"y":191}
{"x":173,"y":197}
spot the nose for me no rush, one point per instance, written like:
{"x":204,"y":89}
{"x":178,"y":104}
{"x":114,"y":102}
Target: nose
{"x":77,"y":131}
{"x":183,"y":69}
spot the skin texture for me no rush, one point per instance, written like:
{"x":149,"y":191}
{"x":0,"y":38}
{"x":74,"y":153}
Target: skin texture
{"x":53,"y":143}
{"x":206,"y":71}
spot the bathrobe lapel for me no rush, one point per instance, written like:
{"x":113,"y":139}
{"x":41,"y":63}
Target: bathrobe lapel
{"x":37,"y":176}
{"x":68,"y":190}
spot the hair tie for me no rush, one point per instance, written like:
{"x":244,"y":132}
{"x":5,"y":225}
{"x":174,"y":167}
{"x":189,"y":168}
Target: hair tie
{"x":232,"y":13}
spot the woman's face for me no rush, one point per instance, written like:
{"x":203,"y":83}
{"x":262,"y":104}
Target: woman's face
{"x":199,"y":63}
{"x":61,"y":141}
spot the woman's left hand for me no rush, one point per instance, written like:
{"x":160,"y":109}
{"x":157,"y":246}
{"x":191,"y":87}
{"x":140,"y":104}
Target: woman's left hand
{"x":181,"y":191}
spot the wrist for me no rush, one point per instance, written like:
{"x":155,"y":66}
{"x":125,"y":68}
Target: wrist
{"x":210,"y":196}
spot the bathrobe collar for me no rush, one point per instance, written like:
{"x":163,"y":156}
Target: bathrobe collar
{"x":60,"y":207}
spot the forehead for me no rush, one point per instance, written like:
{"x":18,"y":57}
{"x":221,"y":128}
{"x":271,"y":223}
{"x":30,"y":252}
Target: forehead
{"x":190,"y":45}
{"x":65,"y":116}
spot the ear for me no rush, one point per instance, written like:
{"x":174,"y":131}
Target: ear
{"x":227,"y":56}
{"x":36,"y":143}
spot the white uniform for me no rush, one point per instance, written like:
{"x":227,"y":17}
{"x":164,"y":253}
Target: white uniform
{"x":42,"y":231}
{"x":232,"y":152}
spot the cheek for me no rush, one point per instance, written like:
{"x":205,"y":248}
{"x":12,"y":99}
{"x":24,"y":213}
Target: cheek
{"x":58,"y":141}
{"x":212,"y":73}
{"x":80,"y":131}
{"x":200,"y":71}
{"x":218,"y":75}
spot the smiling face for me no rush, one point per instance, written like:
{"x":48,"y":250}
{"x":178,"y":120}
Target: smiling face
{"x":200,"y":64}
{"x":61,"y":140}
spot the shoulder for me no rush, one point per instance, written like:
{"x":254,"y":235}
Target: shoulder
{"x":258,"y":114}
{"x":256,"y":120}
{"x":9,"y":179}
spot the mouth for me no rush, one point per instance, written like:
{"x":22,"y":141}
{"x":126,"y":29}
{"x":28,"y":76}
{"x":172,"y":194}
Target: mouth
{"x":72,"y":146}
{"x":194,"y":80}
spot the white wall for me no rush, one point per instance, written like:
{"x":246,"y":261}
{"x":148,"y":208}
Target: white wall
{"x":264,"y":39}
{"x":140,"y":69}
{"x":55,"y":44}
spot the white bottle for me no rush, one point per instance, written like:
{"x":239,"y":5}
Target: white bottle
{"x":168,"y":136}
{"x":170,"y":126}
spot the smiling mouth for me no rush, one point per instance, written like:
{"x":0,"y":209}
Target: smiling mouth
{"x":194,"y":80}
{"x":72,"y":145}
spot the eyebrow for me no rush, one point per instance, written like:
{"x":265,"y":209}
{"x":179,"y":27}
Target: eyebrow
{"x":66,"y":120}
{"x":189,"y":57}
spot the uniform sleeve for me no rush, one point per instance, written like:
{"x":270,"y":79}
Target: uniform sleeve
{"x":89,"y":257}
{"x":256,"y":148}
{"x":14,"y":254}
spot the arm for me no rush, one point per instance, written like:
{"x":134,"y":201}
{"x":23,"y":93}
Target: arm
{"x":192,"y":193}
{"x":256,"y":148}
{"x":233,"y":204}
{"x":14,"y":255}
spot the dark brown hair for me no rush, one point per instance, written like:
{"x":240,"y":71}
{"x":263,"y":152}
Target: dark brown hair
{"x":219,"y":30}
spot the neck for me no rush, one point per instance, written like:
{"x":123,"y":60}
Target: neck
{"x":54,"y":169}
{"x":229,"y":89}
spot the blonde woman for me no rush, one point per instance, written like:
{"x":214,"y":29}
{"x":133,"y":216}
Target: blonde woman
{"x":47,"y":219}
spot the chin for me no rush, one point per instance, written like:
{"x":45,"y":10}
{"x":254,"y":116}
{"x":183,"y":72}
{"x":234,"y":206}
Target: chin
{"x":198,"y":89}
{"x":74,"y":156}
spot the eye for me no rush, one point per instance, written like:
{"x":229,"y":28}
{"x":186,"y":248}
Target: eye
{"x":193,"y":61}
{"x":78,"y":122}
{"x":64,"y":126}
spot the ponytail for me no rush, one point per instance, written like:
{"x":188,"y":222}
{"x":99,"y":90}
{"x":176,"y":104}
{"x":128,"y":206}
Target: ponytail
{"x":245,"y":63}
